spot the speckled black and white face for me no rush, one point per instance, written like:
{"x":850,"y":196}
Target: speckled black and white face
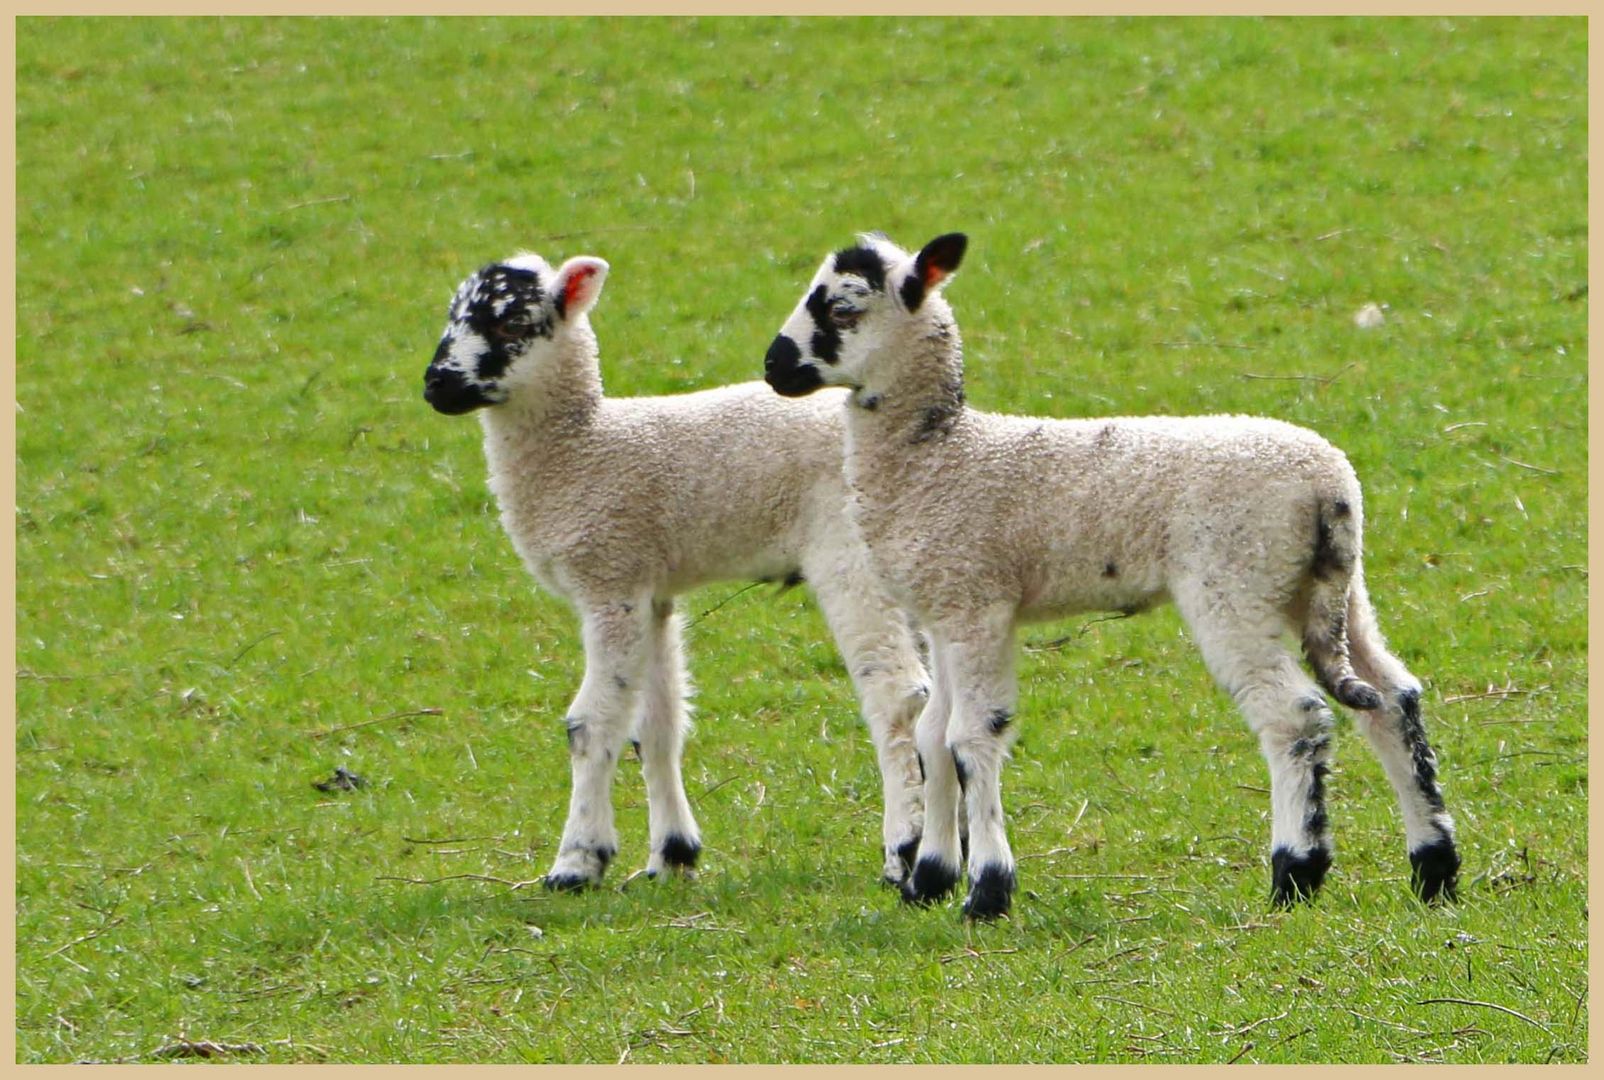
{"x":501,"y":320}
{"x":848,"y":307}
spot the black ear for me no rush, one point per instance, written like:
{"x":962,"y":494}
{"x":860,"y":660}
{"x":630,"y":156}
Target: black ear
{"x":933,"y":265}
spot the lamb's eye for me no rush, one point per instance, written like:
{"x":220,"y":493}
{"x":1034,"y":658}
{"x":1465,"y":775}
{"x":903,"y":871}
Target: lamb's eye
{"x":843,"y":314}
{"x":510,"y":329}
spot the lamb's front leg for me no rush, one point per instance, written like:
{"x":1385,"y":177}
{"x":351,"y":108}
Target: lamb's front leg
{"x":882,"y":657}
{"x":675,"y":840}
{"x":938,"y":865}
{"x":980,"y":667}
{"x":615,"y":636}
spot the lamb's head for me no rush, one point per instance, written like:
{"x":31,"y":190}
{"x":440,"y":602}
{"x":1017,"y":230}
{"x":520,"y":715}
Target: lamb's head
{"x":859,"y":300}
{"x":504,"y":322}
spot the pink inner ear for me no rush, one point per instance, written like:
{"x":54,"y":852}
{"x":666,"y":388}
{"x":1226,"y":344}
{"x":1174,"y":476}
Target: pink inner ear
{"x":576,"y":283}
{"x":933,"y":274}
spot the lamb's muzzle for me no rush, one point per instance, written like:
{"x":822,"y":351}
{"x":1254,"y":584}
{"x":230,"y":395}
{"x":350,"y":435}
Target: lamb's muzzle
{"x":783,"y":370}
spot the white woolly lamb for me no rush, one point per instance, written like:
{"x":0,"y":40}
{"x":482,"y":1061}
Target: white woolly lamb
{"x":979,"y":521}
{"x":619,"y":504}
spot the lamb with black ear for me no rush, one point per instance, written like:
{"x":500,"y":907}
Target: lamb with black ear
{"x":979,"y":521}
{"x":619,"y":504}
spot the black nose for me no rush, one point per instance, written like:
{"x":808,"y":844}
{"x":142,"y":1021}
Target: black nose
{"x":449,"y":394}
{"x":783,"y":369}
{"x":782,"y":355}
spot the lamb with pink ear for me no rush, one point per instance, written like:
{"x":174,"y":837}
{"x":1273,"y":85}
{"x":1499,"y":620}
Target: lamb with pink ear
{"x":620,"y":504}
{"x":979,"y":522}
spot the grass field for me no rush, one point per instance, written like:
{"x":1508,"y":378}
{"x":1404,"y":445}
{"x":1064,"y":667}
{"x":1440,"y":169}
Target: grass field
{"x":247,"y":552}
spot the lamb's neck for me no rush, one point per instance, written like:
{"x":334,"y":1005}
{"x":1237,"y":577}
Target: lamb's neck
{"x":916,"y":401}
{"x":559,"y":404}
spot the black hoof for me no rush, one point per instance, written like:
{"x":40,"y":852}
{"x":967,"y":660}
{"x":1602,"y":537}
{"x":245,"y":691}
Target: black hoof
{"x":680,"y":852}
{"x":1435,"y":875}
{"x":931,"y":881}
{"x":1296,"y":877}
{"x":990,"y":894}
{"x":566,"y":882}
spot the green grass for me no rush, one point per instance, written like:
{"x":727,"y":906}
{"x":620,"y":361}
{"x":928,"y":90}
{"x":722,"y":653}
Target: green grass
{"x":239,"y":527}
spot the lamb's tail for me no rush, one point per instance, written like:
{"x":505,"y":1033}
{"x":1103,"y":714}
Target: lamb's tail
{"x":1333,"y":564}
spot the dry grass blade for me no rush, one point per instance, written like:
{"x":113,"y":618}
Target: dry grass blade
{"x":460,"y":877}
{"x":376,"y":720}
{"x":1486,"y":1005}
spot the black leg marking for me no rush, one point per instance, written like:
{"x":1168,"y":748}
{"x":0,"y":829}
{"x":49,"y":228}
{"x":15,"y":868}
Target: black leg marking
{"x":1435,"y":871}
{"x":636,"y":744}
{"x":922,"y":773}
{"x":1413,"y":732}
{"x":931,"y":880}
{"x":1110,"y":570}
{"x":678,"y":851}
{"x":576,"y":732}
{"x":1330,"y":559}
{"x":990,"y":894}
{"x":1315,"y":821}
{"x":963,"y":773}
{"x":1296,"y":877}
{"x":905,"y":855}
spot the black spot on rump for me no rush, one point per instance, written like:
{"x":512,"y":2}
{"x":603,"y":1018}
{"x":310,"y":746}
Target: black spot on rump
{"x":865,"y":263}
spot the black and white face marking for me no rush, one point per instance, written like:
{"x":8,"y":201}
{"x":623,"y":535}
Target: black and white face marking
{"x":849,"y":305}
{"x":499,"y":317}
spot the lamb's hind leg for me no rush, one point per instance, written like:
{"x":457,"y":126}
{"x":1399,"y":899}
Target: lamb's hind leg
{"x":660,"y":735}
{"x":1288,"y":713}
{"x":598,"y":723}
{"x":877,"y":646}
{"x":1398,"y":736}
